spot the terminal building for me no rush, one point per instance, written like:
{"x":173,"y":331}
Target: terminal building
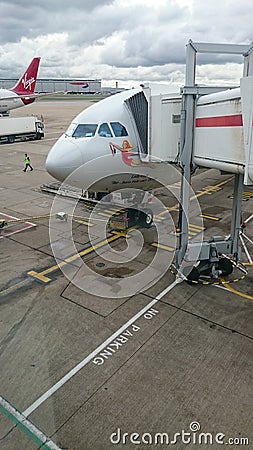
{"x":69,"y":85}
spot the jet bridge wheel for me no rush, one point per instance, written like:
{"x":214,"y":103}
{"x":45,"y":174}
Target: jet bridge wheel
{"x":193,"y":276}
{"x":226,"y":266}
{"x":223,"y":268}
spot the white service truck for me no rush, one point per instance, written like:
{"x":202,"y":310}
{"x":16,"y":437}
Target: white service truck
{"x":20,"y":128}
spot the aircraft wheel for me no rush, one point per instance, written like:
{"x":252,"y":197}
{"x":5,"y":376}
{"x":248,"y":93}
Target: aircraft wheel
{"x":11,"y":139}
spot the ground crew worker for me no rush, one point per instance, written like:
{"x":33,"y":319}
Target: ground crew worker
{"x":27,"y":163}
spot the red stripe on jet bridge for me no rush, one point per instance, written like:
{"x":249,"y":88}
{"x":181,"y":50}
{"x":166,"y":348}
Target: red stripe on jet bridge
{"x":219,"y":121}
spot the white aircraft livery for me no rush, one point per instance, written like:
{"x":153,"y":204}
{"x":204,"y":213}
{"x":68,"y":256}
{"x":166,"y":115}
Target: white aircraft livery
{"x":105,"y":149}
{"x":23,"y":92}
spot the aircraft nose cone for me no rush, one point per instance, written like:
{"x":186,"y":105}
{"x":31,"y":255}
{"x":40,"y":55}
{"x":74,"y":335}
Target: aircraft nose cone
{"x":63,"y":159}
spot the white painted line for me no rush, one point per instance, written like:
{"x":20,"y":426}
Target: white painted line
{"x":88,"y":358}
{"x":28,"y":427}
{"x":26,"y":226}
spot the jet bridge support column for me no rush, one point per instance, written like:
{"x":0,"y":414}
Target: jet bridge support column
{"x":236,"y":220}
{"x":205,"y":250}
{"x":187,"y":119}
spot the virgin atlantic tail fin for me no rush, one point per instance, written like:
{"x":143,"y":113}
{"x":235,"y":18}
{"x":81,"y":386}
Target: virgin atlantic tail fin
{"x":26,"y":83}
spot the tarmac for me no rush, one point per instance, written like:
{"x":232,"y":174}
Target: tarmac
{"x":96,"y":353}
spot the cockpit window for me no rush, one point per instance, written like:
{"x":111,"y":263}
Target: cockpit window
{"x":70,"y":129}
{"x":85,"y":130}
{"x":104,"y":130}
{"x":118,"y":129}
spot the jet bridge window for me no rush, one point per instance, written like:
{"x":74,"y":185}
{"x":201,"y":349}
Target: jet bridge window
{"x":104,"y":130}
{"x":118,"y":129}
{"x":85,"y":130}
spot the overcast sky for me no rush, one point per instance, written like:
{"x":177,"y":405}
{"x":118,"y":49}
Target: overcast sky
{"x":131,"y":41}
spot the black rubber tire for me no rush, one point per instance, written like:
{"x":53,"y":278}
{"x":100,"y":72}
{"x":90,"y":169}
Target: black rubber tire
{"x":146,"y":218}
{"x":226,"y":266}
{"x":11,"y":139}
{"x":193,"y":276}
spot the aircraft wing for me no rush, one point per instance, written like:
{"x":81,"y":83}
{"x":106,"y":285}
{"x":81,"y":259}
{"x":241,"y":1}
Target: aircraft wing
{"x":43,"y":94}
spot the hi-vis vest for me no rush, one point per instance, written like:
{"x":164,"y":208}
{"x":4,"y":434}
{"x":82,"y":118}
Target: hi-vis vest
{"x":27,"y":160}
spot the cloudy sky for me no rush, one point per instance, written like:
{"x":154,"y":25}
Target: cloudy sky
{"x":131,"y":41}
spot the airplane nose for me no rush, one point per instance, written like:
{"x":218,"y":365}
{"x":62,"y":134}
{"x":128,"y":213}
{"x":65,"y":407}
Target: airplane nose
{"x":63,"y":159}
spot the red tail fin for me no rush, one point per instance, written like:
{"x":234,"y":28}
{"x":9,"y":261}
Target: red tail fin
{"x":26,"y":83}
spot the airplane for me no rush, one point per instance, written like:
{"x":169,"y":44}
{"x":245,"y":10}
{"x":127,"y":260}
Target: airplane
{"x":101,"y":153}
{"x":23,"y":92}
{"x":102,"y":141}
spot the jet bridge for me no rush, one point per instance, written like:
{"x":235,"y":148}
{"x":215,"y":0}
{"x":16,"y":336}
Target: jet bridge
{"x":203,"y":127}
{"x":216,"y":132}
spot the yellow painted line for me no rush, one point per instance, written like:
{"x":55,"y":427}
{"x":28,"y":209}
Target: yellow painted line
{"x":164,"y":247}
{"x":171,"y":208}
{"x":84,"y":223}
{"x":246,"y":195}
{"x":113,"y":211}
{"x":241,"y":294}
{"x":105,"y":215}
{"x":41,"y":276}
{"x":211,"y":189}
{"x":204,"y":191}
{"x":12,"y":288}
{"x":205,"y":216}
{"x":195,"y":227}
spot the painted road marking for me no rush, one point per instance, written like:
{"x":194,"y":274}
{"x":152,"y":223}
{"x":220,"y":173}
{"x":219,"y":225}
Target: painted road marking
{"x":83,"y":222}
{"x":212,"y":189}
{"x":26,"y":426}
{"x":122,"y":339}
{"x":25,"y":225}
{"x":206,"y":190}
{"x":241,"y":294}
{"x":163,"y":247}
{"x":207,"y":216}
{"x":14,"y":287}
{"x":193,"y":230}
{"x":104,"y":215}
{"x":95,"y":352}
{"x":42,"y":276}
{"x":246,"y":195}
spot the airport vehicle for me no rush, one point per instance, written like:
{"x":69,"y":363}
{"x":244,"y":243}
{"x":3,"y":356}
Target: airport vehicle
{"x":20,"y":128}
{"x":23,"y":92}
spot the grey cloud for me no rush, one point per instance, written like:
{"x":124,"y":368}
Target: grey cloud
{"x":143,"y":36}
{"x":24,"y":18}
